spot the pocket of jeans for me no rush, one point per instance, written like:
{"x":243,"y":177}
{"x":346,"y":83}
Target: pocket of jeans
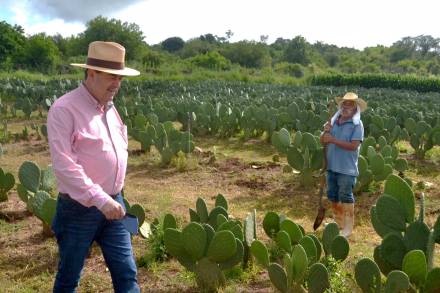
{"x":70,"y":207}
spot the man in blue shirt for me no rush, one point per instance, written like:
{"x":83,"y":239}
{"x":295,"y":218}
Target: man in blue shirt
{"x":343,"y":137}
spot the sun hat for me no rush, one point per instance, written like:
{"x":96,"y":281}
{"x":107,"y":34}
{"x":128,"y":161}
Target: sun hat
{"x":107,"y":57}
{"x":352,"y":97}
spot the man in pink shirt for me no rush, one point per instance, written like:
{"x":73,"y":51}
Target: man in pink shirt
{"x":88,"y":146}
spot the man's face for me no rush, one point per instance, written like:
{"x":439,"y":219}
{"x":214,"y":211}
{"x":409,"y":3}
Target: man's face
{"x":348,"y":109}
{"x":104,"y":85}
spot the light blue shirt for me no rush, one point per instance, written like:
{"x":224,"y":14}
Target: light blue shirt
{"x":338,"y":159}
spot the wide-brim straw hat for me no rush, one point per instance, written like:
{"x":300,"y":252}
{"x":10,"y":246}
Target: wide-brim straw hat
{"x":107,"y":57}
{"x":352,"y":97}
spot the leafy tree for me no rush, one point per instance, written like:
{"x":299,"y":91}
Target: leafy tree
{"x":61,"y":43}
{"x":370,"y":68}
{"x":296,"y":51}
{"x":229,"y":34}
{"x":173,"y":44}
{"x":196,"y":47}
{"x":350,"y":65}
{"x":75,"y":46}
{"x":332,"y":59}
{"x":12,"y":41}
{"x":426,"y":44}
{"x":433,"y":67}
{"x":280,"y":44}
{"x":398,"y":53}
{"x":152,"y":59}
{"x":409,"y":66}
{"x":264,"y":38}
{"x":40,"y":53}
{"x":211,"y":60}
{"x":210,"y":38}
{"x":402,"y":49}
{"x":102,"y":29}
{"x":248,"y":53}
{"x":295,"y":70}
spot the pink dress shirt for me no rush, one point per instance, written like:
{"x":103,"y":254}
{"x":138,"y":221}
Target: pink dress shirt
{"x":88,"y":146}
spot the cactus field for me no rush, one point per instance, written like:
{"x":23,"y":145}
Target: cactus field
{"x":223,"y":178}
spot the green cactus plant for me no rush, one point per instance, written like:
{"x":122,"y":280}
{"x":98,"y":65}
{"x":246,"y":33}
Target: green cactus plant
{"x":30,"y":175}
{"x":367,"y":275}
{"x":144,"y":228}
{"x":318,"y":278}
{"x":377,"y":160}
{"x":37,"y":189}
{"x":406,"y":252}
{"x":166,"y":139}
{"x":211,"y":241}
{"x":304,"y":153}
{"x":422,"y":137}
{"x":250,"y":234}
{"x":397,"y":281}
{"x":7,"y":182}
{"x":203,"y":254}
{"x":202,"y":215}
{"x":302,"y":253}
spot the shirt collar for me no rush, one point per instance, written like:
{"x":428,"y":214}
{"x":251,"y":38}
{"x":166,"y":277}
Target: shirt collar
{"x":92,"y":101}
{"x":346,"y":121}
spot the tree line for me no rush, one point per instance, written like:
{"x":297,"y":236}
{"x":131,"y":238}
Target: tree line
{"x":294,"y":57}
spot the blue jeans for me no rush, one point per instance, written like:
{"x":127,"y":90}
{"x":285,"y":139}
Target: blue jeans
{"x":340,"y":187}
{"x":76,"y":227}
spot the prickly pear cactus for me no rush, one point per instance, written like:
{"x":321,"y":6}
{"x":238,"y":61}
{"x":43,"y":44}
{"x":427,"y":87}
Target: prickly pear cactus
{"x":300,"y":263}
{"x":406,"y":252}
{"x":304,"y":153}
{"x":30,"y":175}
{"x":202,"y":215}
{"x":210,"y":243}
{"x":377,"y":160}
{"x":367,"y":275}
{"x":7,"y":182}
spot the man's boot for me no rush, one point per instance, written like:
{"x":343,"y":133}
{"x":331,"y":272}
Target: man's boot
{"x":338,"y":213}
{"x":349,"y":219}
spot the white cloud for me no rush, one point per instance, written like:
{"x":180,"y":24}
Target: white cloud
{"x":34,"y":23}
{"x":78,"y":10}
{"x":20,"y":13}
{"x":56,"y":26}
{"x":350,"y":23}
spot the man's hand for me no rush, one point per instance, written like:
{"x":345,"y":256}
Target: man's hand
{"x":327,"y":127}
{"x":112,"y":210}
{"x":327,"y":138}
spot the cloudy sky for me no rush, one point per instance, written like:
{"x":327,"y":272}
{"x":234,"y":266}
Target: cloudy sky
{"x":350,"y":23}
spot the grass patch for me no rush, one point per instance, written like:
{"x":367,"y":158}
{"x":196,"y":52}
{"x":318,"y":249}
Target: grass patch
{"x":243,"y":171}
